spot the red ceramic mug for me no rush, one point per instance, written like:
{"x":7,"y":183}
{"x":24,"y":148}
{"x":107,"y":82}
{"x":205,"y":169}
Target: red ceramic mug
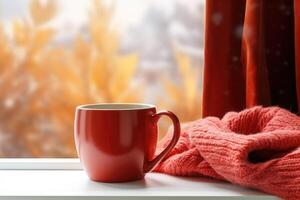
{"x":117,"y":142}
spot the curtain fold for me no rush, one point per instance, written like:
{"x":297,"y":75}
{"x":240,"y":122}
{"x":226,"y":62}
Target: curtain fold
{"x":297,"y":47}
{"x":251,"y":49}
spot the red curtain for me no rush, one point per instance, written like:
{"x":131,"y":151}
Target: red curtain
{"x":252,"y":55}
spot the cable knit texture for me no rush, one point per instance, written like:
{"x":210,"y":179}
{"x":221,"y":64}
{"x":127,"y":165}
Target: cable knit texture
{"x":257,"y":148}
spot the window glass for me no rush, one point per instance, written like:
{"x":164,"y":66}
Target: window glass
{"x":56,"y":55}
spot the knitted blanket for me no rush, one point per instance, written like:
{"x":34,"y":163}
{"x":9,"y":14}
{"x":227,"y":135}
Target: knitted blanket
{"x":257,"y":148}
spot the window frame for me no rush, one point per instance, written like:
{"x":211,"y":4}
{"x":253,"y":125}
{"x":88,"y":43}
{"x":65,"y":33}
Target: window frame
{"x":40,"y":164}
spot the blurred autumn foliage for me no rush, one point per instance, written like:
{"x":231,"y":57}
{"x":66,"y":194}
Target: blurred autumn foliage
{"x":42,"y":82}
{"x":185,"y":96}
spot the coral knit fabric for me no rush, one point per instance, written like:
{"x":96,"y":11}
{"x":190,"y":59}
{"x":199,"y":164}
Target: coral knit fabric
{"x":257,"y":148}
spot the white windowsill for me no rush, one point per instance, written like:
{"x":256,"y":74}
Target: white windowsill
{"x":63,"y":179}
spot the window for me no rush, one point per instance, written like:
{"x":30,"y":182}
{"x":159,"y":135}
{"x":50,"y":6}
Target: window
{"x":56,"y":55}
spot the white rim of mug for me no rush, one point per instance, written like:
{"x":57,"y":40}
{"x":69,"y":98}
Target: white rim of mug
{"x":134,"y":106}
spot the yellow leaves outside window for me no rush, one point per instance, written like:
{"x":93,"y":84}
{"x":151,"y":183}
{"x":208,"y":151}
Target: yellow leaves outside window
{"x":42,"y":82}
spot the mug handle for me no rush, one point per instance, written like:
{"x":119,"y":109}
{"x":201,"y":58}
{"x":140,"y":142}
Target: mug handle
{"x":149,"y":165}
